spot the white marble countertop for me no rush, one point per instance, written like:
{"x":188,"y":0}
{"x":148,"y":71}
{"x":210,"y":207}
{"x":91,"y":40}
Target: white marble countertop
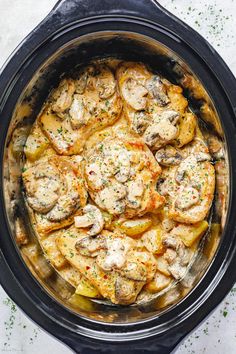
{"x":215,"y":20}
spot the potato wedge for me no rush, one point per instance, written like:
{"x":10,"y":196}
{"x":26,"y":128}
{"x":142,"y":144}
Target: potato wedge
{"x":135,"y":227}
{"x":85,"y":288}
{"x":187,"y":129}
{"x":36,"y":143}
{"x":81,"y":302}
{"x":152,"y":240}
{"x":159,"y":283}
{"x":190,"y":233}
{"x":162,"y":265}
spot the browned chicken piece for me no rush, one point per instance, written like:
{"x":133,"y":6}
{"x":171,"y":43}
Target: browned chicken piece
{"x":54,"y":190}
{"x":62,"y":97}
{"x":105,"y":261}
{"x":196,"y":184}
{"x":78,"y":108}
{"x":177,"y":255}
{"x":121,"y":175}
{"x":152,"y":105}
{"x":189,"y":186}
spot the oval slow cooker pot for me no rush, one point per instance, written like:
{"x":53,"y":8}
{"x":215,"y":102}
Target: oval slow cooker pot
{"x":74,"y":32}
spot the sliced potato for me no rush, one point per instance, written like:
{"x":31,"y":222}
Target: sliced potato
{"x":81,"y":302}
{"x":36,"y":143}
{"x":187,"y":129}
{"x":152,"y":240}
{"x":135,"y":227}
{"x":190,"y":233}
{"x":159,"y":283}
{"x":162,"y":265}
{"x":85,"y":288}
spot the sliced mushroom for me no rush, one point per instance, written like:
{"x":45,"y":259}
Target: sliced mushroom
{"x":43,"y":184}
{"x":157,"y":90}
{"x":125,"y":290}
{"x":91,"y":246}
{"x":164,"y":130}
{"x":68,"y":202}
{"x":92,"y":217}
{"x":112,"y":198}
{"x":63,"y":97}
{"x":77,"y":112}
{"x":216,"y":147}
{"x":171,"y":115}
{"x":139,"y":121}
{"x":115,"y":256}
{"x":202,"y":156}
{"x":168,"y":156}
{"x":105,"y":82}
{"x":177,"y":256}
{"x":134,"y":94}
{"x":81,"y":82}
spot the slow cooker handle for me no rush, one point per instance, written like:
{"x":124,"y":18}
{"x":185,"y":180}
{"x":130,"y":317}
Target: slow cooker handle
{"x":74,"y":10}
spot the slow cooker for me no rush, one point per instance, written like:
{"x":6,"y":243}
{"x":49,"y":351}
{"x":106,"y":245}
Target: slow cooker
{"x":73,"y":33}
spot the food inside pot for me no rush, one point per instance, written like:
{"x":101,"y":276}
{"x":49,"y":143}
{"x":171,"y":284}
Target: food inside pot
{"x":118,"y":181}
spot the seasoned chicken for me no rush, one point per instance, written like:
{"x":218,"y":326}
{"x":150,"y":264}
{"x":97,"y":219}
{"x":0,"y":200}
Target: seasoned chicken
{"x":54,"y":190}
{"x":107,"y":264}
{"x":78,"y":108}
{"x":153,"y":106}
{"x":189,"y":186}
{"x":121,"y":175}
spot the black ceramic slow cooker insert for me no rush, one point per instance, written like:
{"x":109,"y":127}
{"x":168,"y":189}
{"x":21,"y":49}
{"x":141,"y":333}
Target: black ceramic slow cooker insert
{"x":73,"y":33}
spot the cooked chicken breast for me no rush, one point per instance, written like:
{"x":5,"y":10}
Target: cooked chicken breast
{"x":121,"y":175}
{"x":55,"y":190}
{"x":77,"y":108}
{"x":189,"y":186}
{"x":152,"y":105}
{"x":105,"y":262}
